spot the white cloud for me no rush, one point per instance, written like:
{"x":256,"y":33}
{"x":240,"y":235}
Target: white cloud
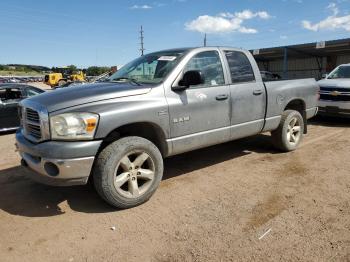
{"x":331,"y":22}
{"x":334,"y":8}
{"x":226,"y":22}
{"x":141,"y":7}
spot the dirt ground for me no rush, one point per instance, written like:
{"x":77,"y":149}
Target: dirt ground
{"x":240,"y":201}
{"x":40,"y":85}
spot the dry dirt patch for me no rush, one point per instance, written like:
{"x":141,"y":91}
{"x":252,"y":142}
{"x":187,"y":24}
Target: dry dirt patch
{"x":213,"y":205}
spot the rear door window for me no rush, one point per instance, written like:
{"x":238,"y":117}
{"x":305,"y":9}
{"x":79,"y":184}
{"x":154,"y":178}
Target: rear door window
{"x":240,"y":68}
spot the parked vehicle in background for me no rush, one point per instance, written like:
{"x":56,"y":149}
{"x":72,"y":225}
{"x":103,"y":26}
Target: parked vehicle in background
{"x":71,"y":84}
{"x":335,"y":92}
{"x":13,"y":80}
{"x":268,"y":76}
{"x":64,"y":75}
{"x":161,"y":104}
{"x":10,"y":96}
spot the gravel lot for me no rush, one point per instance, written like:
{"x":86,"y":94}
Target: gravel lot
{"x":213,"y":205}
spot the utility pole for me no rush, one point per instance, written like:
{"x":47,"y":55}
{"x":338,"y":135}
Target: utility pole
{"x":142,"y":49}
{"x":205,"y":40}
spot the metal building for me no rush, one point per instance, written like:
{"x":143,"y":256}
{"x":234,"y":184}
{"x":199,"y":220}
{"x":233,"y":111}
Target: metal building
{"x":305,"y":60}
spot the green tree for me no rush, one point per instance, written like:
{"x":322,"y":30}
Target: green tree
{"x":96,"y":70}
{"x":72,"y":68}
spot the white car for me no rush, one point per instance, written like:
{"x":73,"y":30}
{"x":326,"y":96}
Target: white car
{"x":13,"y":80}
{"x":335,"y":92}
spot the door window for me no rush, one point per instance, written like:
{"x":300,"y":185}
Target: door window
{"x":209,"y":64}
{"x":10,"y":95}
{"x":240,"y":68}
{"x":152,"y":68}
{"x":33,"y":91}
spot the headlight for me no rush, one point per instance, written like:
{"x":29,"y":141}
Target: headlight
{"x":73,"y":126}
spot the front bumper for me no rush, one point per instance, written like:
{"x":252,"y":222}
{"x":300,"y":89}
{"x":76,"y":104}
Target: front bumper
{"x":58,"y":163}
{"x":334,"y":108}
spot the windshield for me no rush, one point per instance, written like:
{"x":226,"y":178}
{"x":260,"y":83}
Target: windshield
{"x":340,"y":72}
{"x":149,"y":69}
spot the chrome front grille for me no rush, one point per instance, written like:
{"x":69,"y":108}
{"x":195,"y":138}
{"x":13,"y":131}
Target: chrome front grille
{"x":34,"y":131}
{"x":34,"y":121}
{"x":335,"y":94}
{"x":32,"y":116}
{"x":32,"y":124}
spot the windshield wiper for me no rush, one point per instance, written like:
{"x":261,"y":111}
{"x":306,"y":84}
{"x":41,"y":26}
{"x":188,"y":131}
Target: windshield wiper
{"x":132,"y":80}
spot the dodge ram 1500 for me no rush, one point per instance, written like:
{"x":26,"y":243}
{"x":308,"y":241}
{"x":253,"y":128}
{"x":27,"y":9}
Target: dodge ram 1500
{"x":117,"y":132}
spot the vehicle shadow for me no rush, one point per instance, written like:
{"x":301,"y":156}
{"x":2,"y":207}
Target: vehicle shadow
{"x":202,"y":158}
{"x":7,"y":132}
{"x":21,"y":196}
{"x":329,"y":121}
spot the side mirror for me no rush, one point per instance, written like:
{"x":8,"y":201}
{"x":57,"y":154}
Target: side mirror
{"x":190,"y":78}
{"x":324,"y":76}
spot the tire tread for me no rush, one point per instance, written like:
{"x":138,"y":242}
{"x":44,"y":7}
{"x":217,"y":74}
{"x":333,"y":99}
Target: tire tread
{"x":104,"y":163}
{"x":277,"y":135}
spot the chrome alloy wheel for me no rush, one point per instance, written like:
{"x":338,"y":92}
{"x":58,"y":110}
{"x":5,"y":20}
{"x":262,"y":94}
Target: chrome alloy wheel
{"x":294,"y":131}
{"x":134,"y":174}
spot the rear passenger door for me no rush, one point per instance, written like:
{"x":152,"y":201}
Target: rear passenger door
{"x":248,"y":95}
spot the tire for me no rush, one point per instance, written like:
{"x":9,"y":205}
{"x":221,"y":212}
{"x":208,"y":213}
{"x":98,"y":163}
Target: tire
{"x":61,"y":82}
{"x":290,"y":131}
{"x":128,"y":171}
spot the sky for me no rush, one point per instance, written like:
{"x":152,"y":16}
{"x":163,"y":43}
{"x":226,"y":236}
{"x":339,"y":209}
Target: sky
{"x":106,"y":32}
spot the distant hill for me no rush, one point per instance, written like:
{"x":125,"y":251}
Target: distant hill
{"x":30,"y":67}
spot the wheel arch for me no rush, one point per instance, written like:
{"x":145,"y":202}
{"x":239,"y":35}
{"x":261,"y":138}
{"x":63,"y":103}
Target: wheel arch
{"x":147,"y":130}
{"x":299,"y":105}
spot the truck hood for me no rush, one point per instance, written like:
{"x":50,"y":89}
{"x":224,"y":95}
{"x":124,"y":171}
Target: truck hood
{"x":78,"y":95}
{"x":335,"y":83}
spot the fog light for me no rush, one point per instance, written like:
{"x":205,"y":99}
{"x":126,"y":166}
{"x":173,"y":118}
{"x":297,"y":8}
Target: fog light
{"x":51,"y":169}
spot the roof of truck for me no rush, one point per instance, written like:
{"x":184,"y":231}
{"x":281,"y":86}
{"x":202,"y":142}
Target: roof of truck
{"x":184,"y":49}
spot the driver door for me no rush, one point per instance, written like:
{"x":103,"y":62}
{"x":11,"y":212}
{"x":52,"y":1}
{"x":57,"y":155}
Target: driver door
{"x":200,"y":115}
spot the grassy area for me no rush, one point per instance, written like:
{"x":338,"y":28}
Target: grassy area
{"x":19,"y":73}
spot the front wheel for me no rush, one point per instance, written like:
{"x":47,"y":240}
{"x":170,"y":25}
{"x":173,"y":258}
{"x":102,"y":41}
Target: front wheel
{"x":128,"y":172}
{"x":290,"y":131}
{"x":61,"y":82}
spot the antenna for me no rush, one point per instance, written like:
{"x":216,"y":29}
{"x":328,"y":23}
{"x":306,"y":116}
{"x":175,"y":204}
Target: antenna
{"x":205,"y":40}
{"x":142,"y":49}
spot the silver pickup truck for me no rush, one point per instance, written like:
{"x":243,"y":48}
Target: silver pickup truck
{"x":165,"y":103}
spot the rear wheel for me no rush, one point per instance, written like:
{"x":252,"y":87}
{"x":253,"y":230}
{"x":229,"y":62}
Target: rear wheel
{"x":290,"y":131}
{"x":128,"y":172}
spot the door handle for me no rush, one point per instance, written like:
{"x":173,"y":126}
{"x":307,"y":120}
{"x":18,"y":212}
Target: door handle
{"x":257,"y":92}
{"x":221,"y":97}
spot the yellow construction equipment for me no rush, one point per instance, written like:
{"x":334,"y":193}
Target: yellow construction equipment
{"x":62,"y":75}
